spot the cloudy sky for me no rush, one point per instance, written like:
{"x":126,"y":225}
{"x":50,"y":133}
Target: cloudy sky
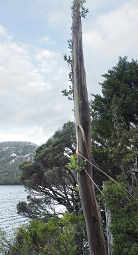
{"x":33,"y":41}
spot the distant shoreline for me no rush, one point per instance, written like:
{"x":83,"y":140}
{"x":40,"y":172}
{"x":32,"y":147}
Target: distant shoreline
{"x":17,"y":184}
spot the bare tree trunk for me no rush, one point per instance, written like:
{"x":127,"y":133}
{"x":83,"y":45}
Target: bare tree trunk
{"x":108,"y":232}
{"x":83,"y":133}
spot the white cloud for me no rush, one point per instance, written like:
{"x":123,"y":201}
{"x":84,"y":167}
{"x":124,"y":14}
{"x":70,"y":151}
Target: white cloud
{"x":115,"y":31}
{"x":32,"y":106}
{"x":112,"y":34}
{"x":4,"y":32}
{"x":30,"y":95}
{"x":104,"y":4}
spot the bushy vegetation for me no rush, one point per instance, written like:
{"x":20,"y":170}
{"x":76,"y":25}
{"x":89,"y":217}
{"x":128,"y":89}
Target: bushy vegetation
{"x":123,"y":207}
{"x":115,"y":149}
{"x":51,"y":180}
{"x":57,"y":236}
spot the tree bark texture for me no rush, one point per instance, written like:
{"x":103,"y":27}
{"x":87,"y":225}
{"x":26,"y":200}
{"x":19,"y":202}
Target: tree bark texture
{"x":108,"y":232}
{"x":83,"y":134}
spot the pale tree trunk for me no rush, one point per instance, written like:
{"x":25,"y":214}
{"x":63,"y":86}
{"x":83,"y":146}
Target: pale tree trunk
{"x":83,"y":134}
{"x":108,"y":232}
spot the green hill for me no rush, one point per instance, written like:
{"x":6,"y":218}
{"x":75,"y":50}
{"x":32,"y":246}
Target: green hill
{"x":12,"y":154}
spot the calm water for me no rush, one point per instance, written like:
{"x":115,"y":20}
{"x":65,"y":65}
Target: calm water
{"x":10,"y":195}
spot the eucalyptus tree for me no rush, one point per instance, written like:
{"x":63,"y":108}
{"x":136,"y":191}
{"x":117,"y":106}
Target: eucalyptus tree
{"x":83,"y":135}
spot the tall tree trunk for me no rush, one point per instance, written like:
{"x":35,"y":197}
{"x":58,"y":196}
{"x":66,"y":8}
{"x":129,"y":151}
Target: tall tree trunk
{"x":108,"y":232}
{"x":83,"y":133}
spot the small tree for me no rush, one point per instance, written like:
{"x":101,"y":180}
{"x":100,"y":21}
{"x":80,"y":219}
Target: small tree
{"x":49,"y":182}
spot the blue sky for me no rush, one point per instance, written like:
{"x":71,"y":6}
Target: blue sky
{"x":33,"y":20}
{"x":33,"y":41}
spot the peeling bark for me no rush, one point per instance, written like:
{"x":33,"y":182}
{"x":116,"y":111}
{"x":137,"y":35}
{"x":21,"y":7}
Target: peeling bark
{"x":108,"y":232}
{"x":83,"y":134}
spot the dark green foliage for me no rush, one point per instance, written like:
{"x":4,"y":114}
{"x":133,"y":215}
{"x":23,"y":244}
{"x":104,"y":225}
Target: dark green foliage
{"x":57,"y":236}
{"x":115,"y":149}
{"x":51,"y":182}
{"x":51,"y":179}
{"x":48,"y":180}
{"x":120,"y":89}
{"x":120,"y":92}
{"x":124,"y":217}
{"x":114,"y":123}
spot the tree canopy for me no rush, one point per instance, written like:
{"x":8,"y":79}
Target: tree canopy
{"x":49,"y":180}
{"x":114,"y":113}
{"x":115,"y":149}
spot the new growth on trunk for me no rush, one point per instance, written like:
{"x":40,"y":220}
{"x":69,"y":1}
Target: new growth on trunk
{"x":83,"y":135}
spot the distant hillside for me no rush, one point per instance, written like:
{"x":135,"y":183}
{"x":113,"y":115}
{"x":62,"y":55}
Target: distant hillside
{"x":12,"y":154}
